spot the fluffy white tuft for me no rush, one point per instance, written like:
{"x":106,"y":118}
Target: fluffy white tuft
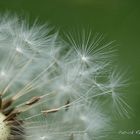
{"x":70,"y":77}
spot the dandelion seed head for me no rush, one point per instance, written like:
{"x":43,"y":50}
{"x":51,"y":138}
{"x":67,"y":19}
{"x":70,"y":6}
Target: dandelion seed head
{"x":49,"y":88}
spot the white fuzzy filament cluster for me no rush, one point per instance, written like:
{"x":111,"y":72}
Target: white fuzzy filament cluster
{"x":74,"y":77}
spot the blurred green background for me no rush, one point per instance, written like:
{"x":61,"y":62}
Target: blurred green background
{"x":119,"y":19}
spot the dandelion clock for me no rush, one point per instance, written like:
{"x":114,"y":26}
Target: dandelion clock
{"x":55,"y":88}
